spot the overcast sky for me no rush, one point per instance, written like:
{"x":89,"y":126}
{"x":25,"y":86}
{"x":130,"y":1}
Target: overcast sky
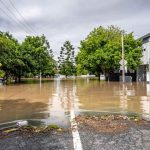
{"x":61,"y":20}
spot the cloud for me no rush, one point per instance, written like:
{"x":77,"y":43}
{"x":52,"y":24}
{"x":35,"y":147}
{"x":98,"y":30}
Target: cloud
{"x":62,"y":20}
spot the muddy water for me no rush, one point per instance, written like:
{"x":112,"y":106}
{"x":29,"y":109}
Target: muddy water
{"x":52,"y":101}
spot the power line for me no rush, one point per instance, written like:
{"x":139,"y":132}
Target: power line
{"x":12,"y":18}
{"x":21,"y":16}
{"x":16,"y":19}
{"x":4,"y":12}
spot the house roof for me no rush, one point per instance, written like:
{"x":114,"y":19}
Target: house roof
{"x":145,"y":36}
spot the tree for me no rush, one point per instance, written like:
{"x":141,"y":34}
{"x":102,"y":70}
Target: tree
{"x":32,"y":56}
{"x":100,"y":52}
{"x":2,"y":74}
{"x":37,"y":56}
{"x":9,"y":57}
{"x":66,"y":60}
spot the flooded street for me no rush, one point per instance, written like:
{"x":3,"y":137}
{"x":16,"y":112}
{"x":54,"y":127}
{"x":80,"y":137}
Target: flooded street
{"x":51,"y":102}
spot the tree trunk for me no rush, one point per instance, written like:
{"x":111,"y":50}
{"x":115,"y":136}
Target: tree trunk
{"x":6,"y":78}
{"x":99,"y":76}
{"x":16,"y":79}
{"x":19,"y":79}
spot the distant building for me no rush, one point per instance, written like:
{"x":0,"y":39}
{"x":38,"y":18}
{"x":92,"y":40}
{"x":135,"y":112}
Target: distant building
{"x":143,"y":71}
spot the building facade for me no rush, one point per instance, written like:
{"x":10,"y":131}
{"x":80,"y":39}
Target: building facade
{"x":143,"y":71}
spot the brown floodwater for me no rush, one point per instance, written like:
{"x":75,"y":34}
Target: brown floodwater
{"x":51,"y":102}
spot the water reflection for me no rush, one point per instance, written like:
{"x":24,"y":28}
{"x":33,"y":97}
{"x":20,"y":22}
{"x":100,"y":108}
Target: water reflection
{"x":59,"y":104}
{"x":104,"y":96}
{"x":52,"y":101}
{"x":26,"y":101}
{"x":145,"y":101}
{"x":62,"y":102}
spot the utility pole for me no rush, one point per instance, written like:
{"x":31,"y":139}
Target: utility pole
{"x":123,"y":64}
{"x":40,"y":81}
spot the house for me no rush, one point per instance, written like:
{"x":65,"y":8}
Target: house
{"x":143,"y":73}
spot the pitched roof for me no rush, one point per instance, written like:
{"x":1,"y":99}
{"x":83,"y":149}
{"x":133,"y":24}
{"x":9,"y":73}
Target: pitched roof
{"x":145,"y":36}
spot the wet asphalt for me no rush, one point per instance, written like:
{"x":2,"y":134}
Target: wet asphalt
{"x":47,"y":141}
{"x":135,"y":138}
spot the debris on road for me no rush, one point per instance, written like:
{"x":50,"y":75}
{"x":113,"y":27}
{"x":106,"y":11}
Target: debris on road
{"x":109,"y":123}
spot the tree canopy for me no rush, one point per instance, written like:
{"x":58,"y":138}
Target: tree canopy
{"x":29,"y":57}
{"x":37,"y":55}
{"x":66,"y":60}
{"x":8,"y":54}
{"x":100,"y":52}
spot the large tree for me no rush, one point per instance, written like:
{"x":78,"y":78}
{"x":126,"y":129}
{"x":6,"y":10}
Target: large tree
{"x":9,"y":55}
{"x":37,"y":55}
{"x":100,"y":52}
{"x":31,"y":57}
{"x":66,"y":60}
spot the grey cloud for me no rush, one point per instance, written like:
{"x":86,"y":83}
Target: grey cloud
{"x":72,"y":20}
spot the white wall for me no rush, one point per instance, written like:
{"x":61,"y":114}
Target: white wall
{"x":146,"y":52}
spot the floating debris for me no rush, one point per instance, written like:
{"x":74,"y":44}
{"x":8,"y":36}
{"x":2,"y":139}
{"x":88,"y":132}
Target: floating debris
{"x":22,"y":123}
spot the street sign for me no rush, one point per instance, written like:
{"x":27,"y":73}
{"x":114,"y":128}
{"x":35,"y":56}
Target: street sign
{"x":125,"y":68}
{"x":121,"y":65}
{"x":121,"y":62}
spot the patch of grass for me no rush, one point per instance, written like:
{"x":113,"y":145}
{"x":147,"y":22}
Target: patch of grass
{"x":135,"y":118}
{"x":29,"y":126}
{"x":52,"y":126}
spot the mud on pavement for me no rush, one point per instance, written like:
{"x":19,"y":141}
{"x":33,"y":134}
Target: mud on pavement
{"x":114,"y":132}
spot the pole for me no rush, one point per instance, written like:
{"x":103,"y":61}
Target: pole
{"x":40,"y":78}
{"x":123,"y":65}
